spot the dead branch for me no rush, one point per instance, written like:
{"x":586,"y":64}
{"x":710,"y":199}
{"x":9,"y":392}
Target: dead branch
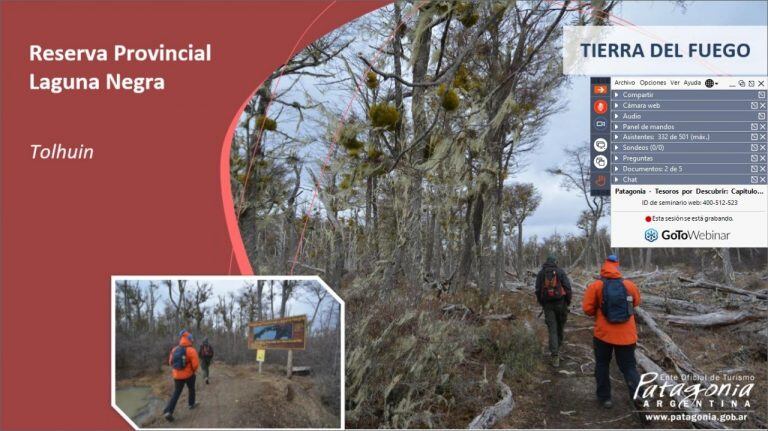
{"x":688,"y":282}
{"x":461,"y":308}
{"x":312,"y":268}
{"x":467,"y":312}
{"x":491,"y":415}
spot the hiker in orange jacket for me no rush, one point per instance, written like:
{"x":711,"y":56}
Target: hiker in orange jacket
{"x":611,"y":301}
{"x":184,"y":362}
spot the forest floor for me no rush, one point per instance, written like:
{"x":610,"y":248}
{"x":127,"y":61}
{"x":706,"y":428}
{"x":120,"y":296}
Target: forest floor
{"x":237,"y":397}
{"x":461,"y":340}
{"x":564,"y":397}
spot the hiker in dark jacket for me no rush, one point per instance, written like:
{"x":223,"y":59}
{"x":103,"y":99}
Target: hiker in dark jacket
{"x":553,"y":292}
{"x":206,"y":356}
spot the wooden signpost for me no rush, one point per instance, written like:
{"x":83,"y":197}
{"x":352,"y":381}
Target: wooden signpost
{"x":288,"y":333}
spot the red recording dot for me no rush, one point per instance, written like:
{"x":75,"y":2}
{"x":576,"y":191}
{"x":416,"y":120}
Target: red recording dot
{"x":648,"y":219}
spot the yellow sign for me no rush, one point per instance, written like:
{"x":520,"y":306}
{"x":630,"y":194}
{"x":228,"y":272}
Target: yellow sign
{"x":260,"y":355}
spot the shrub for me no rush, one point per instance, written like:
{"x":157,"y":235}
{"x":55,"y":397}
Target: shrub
{"x":468,"y":15}
{"x":266,"y":123}
{"x":384,"y":115}
{"x":371,"y":80}
{"x":449,"y":100}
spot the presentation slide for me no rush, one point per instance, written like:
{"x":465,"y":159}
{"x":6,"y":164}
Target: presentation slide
{"x":367,"y":214}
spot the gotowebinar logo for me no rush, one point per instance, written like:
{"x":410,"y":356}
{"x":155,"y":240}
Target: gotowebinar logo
{"x":652,"y":235}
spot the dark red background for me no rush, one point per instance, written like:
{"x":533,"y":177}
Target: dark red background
{"x":149,"y":203}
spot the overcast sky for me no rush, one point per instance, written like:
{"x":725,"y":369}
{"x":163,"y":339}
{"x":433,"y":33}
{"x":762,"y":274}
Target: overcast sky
{"x":302,"y":301}
{"x":559,"y":209}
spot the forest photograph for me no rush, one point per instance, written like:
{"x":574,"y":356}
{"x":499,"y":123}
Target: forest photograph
{"x":430,"y":161}
{"x":183,"y":356}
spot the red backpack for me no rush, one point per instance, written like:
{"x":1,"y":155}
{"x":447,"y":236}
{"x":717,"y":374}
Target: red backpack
{"x":552,"y":289}
{"x":206,"y":350}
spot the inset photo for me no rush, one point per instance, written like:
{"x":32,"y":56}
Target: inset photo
{"x":227,"y":352}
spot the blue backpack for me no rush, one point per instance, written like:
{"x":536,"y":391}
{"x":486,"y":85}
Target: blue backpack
{"x":617,"y":303}
{"x":179,"y":358}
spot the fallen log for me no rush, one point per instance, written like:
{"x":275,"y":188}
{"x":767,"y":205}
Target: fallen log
{"x":302,"y":371}
{"x":660,"y":302}
{"x":682,"y":364}
{"x":716,"y":286}
{"x":661,"y":377}
{"x":492,"y":414}
{"x":635,"y":275}
{"x":719,"y":318}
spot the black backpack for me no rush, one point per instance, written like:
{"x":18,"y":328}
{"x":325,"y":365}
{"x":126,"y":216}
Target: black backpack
{"x":617,"y":303}
{"x":551,"y":287}
{"x":179,"y":358}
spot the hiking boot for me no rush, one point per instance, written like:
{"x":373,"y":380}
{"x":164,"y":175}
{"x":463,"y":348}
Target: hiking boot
{"x":168,"y":417}
{"x":607,"y":404}
{"x":556,"y":361}
{"x":206,"y":381}
{"x":194,"y":406}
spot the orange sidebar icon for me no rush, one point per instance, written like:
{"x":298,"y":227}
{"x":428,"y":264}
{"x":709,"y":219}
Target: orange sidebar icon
{"x":600,"y":89}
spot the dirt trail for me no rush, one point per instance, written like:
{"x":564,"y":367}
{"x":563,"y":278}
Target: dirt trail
{"x":570,"y":396}
{"x":239,"y":397}
{"x":565,"y":397}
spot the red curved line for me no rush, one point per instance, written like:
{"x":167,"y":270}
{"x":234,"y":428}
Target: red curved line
{"x":238,"y":247}
{"x":337,"y":135}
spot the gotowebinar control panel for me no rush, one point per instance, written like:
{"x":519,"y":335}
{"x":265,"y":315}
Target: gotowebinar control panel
{"x":683,"y":160}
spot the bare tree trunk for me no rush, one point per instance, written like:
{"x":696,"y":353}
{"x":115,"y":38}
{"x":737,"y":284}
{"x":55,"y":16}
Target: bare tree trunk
{"x":413,"y":223}
{"x":259,"y":294}
{"x":429,"y":245}
{"x":728,"y":275}
{"x":465,"y":256}
{"x":499,"y":225}
{"x":520,"y":264}
{"x":272,"y":299}
{"x":648,"y":254}
{"x":289,"y":219}
{"x":438,"y":252}
{"x":248,"y":220}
